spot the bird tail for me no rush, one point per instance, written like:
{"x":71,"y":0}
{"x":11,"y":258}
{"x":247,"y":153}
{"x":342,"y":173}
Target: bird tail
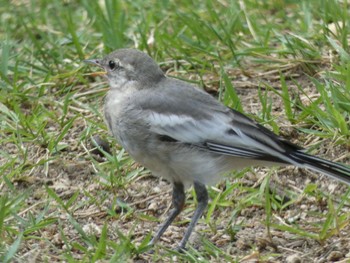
{"x":335,"y":170}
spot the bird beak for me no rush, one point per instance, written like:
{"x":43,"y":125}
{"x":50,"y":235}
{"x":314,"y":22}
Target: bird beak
{"x":95,"y":62}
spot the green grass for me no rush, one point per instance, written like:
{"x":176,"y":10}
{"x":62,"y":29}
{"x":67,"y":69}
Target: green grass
{"x":285,"y":63}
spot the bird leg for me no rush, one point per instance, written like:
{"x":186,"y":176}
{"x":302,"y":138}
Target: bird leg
{"x":178,"y":204}
{"x":202,"y":199}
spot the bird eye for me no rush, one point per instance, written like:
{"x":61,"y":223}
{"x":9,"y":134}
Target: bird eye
{"x":112,"y":64}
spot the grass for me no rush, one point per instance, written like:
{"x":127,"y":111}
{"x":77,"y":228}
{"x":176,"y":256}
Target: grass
{"x":285,"y":63}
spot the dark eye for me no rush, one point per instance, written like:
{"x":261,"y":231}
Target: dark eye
{"x":112,"y":64}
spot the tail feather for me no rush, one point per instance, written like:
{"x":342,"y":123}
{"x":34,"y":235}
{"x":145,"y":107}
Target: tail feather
{"x":335,"y":170}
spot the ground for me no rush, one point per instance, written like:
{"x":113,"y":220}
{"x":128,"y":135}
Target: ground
{"x":283,"y":63}
{"x":132,"y":209}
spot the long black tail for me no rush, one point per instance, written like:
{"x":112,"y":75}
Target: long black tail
{"x":335,"y":170}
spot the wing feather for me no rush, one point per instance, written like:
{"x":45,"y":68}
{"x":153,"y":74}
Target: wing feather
{"x":206,"y":123}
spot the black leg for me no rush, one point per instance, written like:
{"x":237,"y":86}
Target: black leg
{"x":178,"y":204}
{"x":202,"y":199}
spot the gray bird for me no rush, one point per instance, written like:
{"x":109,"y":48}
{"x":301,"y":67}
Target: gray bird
{"x":186,"y":136}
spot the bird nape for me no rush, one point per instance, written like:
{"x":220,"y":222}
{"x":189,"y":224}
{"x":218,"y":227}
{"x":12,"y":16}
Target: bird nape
{"x":186,"y":136}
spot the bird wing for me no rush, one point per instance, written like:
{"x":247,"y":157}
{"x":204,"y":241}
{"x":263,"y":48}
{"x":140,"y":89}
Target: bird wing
{"x":207,"y":124}
{"x":200,"y":121}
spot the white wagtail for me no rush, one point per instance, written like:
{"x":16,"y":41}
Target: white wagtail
{"x":185,"y":135}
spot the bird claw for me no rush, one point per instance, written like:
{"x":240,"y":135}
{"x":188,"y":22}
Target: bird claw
{"x":180,"y":249}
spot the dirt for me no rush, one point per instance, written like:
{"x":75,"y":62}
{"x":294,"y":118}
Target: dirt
{"x":73,"y":172}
